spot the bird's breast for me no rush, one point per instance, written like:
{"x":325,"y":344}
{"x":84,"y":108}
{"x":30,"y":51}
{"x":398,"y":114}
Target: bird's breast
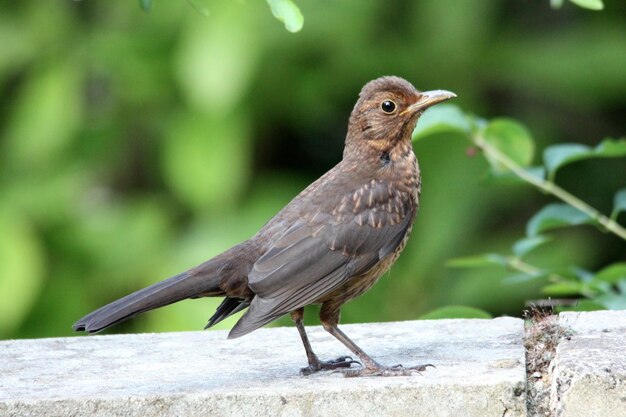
{"x":383,"y":194}
{"x":388,"y":201}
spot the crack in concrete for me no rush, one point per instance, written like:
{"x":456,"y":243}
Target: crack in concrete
{"x":543,"y":335}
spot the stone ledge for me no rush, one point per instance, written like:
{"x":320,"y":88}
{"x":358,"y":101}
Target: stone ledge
{"x":480,"y":371}
{"x":589,"y":370}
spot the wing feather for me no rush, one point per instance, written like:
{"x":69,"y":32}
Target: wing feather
{"x":317,"y":254}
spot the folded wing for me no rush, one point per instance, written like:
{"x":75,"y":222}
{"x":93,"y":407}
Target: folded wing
{"x":316,"y":255}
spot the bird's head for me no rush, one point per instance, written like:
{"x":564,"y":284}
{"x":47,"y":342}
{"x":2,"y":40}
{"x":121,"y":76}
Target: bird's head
{"x":387,"y":112}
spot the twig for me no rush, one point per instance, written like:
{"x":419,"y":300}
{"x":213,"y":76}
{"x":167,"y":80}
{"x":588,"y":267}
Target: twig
{"x":549,"y":187}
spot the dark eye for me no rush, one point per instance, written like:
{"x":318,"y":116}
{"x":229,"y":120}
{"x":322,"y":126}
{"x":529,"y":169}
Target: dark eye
{"x":388,"y":106}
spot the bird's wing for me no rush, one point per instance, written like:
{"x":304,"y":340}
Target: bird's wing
{"x":319,"y":252}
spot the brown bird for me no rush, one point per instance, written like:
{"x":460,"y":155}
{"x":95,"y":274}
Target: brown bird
{"x":330,"y":244}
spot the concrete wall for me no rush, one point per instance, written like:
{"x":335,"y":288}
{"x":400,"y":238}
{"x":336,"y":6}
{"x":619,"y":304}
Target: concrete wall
{"x":481,"y":370}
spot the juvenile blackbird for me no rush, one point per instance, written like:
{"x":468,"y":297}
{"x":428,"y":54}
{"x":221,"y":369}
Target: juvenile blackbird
{"x":330,"y":244}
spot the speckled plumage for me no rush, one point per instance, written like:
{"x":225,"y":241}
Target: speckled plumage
{"x":330,"y":244}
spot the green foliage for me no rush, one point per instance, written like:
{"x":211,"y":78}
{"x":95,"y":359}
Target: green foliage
{"x":287,"y":12}
{"x":447,"y":118}
{"x":487,"y":259}
{"x":48,"y":112}
{"x":456,"y":312}
{"x":195,"y":154}
{"x":146,"y":5}
{"x":511,"y":139}
{"x":554,"y":216}
{"x":508,"y":147}
{"x":619,"y":203}
{"x":557,"y":156}
{"x":526,"y":245}
{"x":605,"y":288}
{"x":612,"y":274}
{"x":586,"y":4}
{"x":135,"y":145}
{"x":22,"y":261}
{"x":589,"y":4}
{"x":200,"y":7}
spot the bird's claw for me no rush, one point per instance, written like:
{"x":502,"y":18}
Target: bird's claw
{"x":396,"y":370}
{"x":332,"y":365}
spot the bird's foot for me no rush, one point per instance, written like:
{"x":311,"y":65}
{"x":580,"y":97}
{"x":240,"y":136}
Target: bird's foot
{"x":317,"y":365}
{"x":380,"y":370}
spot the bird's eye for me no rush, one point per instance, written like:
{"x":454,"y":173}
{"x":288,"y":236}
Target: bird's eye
{"x":388,"y":106}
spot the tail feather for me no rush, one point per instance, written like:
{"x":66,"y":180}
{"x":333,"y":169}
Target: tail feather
{"x":227,"y":308}
{"x":186,"y":285}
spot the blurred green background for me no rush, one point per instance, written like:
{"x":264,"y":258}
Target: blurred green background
{"x":135,"y":145}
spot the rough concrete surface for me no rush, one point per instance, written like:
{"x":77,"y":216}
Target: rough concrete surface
{"x":589,"y":370}
{"x":479,"y":372}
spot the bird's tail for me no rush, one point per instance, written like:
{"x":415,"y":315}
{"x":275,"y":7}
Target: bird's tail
{"x":197,"y":282}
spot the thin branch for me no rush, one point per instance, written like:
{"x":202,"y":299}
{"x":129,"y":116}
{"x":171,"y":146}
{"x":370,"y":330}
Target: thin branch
{"x":549,"y":187}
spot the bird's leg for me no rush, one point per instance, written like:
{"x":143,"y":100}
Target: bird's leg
{"x":297,"y":316}
{"x":330,"y":319}
{"x":315,"y":364}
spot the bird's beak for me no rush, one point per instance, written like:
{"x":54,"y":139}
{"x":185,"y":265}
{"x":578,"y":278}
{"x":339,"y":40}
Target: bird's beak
{"x":429,"y":98}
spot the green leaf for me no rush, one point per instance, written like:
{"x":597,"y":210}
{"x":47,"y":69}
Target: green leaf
{"x":568,"y":273}
{"x":519,"y":278}
{"x":556,"y":4}
{"x":229,"y":40}
{"x":589,"y":4}
{"x":537,"y":172}
{"x":206,"y":160}
{"x":580,"y":274}
{"x":200,"y":8}
{"x":444,"y":118}
{"x":612,"y":301}
{"x":563,"y":289}
{"x":288,"y":13}
{"x":611,"y":148}
{"x":44,"y":118}
{"x":619,"y":203}
{"x":556,"y":156}
{"x":487,"y":259}
{"x":456,"y":312}
{"x":583,"y":305}
{"x":510,"y":138}
{"x":598,"y":287}
{"x":612,"y":273}
{"x":22,"y":273}
{"x":146,"y":5}
{"x":554,"y":216}
{"x":525,"y":245}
